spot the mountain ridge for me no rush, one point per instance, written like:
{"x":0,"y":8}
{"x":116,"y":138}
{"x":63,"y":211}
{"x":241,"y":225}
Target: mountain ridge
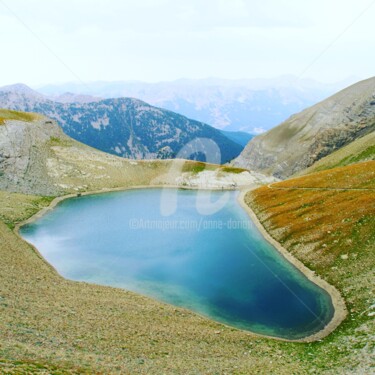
{"x":251,"y":105}
{"x":314,"y":133}
{"x":37,"y":158}
{"x":125,"y":127}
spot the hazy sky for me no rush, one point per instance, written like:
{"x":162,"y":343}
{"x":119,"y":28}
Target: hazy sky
{"x":47,"y":41}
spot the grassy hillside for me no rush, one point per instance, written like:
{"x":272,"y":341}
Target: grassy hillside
{"x":362,"y":149}
{"x":356,"y":176}
{"x":6,"y":114}
{"x":49,"y":323}
{"x":333,"y":233}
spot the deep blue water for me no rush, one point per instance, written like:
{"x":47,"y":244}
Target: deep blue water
{"x":215,"y":263}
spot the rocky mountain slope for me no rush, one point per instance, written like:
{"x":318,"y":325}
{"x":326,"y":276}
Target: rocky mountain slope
{"x":314,"y":133}
{"x":36,"y":157}
{"x":124,"y":127}
{"x":251,"y":105}
{"x":360,"y":150}
{"x":24,"y":153}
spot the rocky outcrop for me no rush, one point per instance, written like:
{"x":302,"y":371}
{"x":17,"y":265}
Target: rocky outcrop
{"x":316,"y":132}
{"x":24,"y":149}
{"x":360,"y":150}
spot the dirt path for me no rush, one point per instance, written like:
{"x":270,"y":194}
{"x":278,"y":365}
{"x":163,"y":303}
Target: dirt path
{"x":317,"y":188}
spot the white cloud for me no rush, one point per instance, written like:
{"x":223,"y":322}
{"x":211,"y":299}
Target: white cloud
{"x":258,"y":130}
{"x":234,"y":8}
{"x":167,"y":39}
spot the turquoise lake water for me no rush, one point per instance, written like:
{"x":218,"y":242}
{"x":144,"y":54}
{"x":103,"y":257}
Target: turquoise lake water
{"x":205,"y":256}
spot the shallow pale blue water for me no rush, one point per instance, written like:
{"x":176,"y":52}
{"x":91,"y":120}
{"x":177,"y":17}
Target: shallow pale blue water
{"x":217,"y":264}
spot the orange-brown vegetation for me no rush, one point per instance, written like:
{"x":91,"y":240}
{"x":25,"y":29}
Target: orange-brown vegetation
{"x":356,"y":176}
{"x":329,"y":223}
{"x":333,"y":233}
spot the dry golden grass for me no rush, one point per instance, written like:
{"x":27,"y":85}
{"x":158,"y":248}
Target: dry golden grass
{"x":16,"y":208}
{"x":197,"y":166}
{"x":6,"y":114}
{"x":333,"y":233}
{"x":229,"y":169}
{"x":356,"y":176}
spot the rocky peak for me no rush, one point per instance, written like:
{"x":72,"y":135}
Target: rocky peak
{"x":313,"y":133}
{"x":21,"y":88}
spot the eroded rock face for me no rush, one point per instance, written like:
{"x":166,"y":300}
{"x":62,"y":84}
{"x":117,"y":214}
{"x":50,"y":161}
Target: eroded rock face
{"x":23,"y":154}
{"x":314,"y":133}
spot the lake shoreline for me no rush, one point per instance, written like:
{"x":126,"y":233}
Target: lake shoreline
{"x":61,"y":198}
{"x":338,"y":302}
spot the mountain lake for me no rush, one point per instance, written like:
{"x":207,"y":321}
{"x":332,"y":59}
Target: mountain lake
{"x":194,"y":249}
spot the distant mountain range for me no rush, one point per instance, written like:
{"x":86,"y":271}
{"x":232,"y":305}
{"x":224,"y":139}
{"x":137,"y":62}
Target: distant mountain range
{"x":315,"y":133}
{"x":37,"y":158}
{"x":124,"y":127}
{"x":252,"y":106}
{"x":242,"y":138}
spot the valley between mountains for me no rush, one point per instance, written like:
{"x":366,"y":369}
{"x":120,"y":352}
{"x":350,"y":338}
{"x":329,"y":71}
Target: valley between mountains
{"x":310,"y":181}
